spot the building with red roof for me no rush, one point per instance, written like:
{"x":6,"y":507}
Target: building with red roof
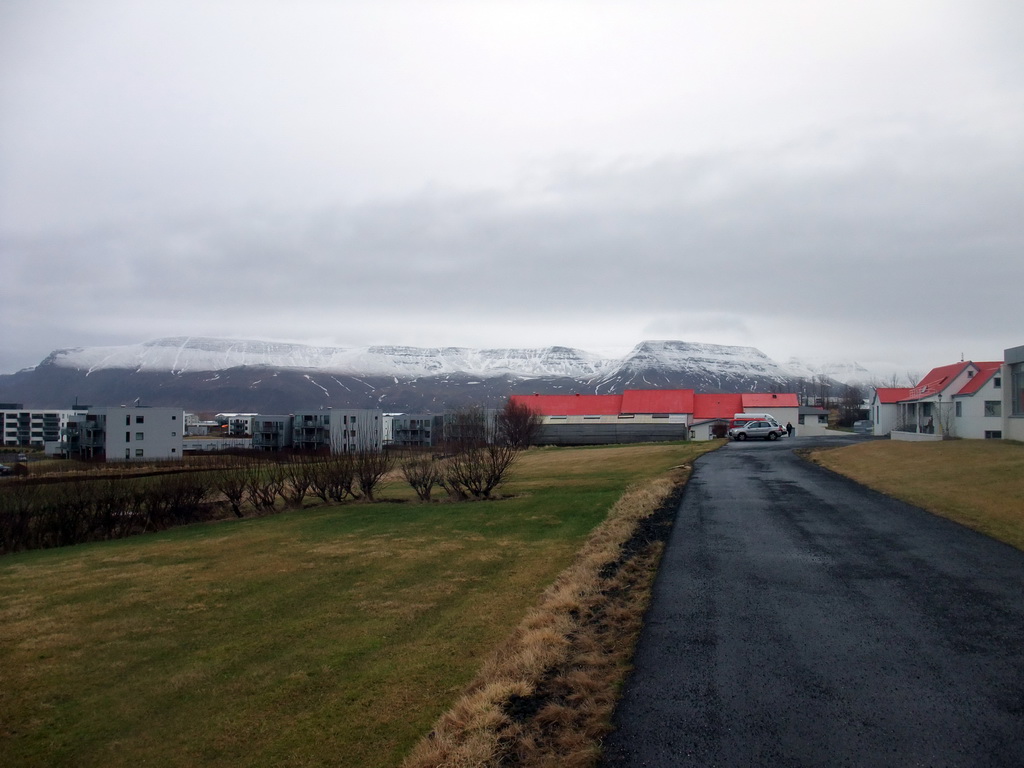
{"x":639,"y":415}
{"x":965,"y":399}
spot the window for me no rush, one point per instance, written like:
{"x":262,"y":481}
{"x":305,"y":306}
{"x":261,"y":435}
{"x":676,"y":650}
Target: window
{"x":997,"y":382}
{"x":993,"y":408}
{"x":174,"y":434}
{"x":659,"y":415}
{"x":800,"y":419}
{"x":138,"y":419}
{"x":127,"y":421}
{"x":138,"y":453}
{"x":993,"y":434}
{"x":959,"y":409}
{"x":627,"y":415}
{"x":139,"y":436}
{"x":127,"y":437}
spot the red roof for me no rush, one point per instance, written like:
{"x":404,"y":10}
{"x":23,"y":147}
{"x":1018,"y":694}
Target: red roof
{"x":753,"y":400}
{"x":985,"y":372}
{"x":572,"y":405}
{"x":936,"y":380}
{"x":892,"y":394}
{"x":657,"y":401}
{"x":716,"y":406}
{"x":720,"y":406}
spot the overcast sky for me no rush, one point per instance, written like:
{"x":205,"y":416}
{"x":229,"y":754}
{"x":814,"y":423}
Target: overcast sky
{"x":827,"y":180}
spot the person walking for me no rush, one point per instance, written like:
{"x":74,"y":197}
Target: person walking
{"x":789,"y":429}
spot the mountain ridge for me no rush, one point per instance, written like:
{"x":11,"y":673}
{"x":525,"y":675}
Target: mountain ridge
{"x":209,"y":373}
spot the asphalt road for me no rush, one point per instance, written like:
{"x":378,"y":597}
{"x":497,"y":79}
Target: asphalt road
{"x":799,"y":619}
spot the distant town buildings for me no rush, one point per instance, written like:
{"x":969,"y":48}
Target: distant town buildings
{"x":983,"y":400}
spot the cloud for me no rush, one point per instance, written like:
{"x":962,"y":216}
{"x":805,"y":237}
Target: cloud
{"x":807,"y":178}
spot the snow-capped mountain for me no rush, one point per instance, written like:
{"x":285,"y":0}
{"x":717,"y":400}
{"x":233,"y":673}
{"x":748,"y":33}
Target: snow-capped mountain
{"x":843,"y":372}
{"x":194,"y":354}
{"x":210,"y":374}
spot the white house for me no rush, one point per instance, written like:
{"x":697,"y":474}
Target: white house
{"x":983,"y":400}
{"x":885,"y":410}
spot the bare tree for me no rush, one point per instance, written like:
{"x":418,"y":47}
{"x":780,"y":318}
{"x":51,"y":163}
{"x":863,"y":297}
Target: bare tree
{"x":518,"y":424}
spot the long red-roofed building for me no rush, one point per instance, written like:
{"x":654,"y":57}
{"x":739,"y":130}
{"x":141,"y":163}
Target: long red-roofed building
{"x":639,"y":415}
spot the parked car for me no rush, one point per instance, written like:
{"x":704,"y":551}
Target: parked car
{"x":5,"y":470}
{"x":742,"y":419}
{"x":764,"y":429}
{"x":22,"y":457}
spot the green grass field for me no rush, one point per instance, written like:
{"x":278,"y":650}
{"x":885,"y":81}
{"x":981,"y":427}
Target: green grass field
{"x":978,"y":483}
{"x":323,"y":636}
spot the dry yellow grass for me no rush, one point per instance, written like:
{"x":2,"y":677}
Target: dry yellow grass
{"x":546,"y":697}
{"x":978,"y":483}
{"x":331,"y":635}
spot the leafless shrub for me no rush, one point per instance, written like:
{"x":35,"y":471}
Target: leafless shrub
{"x":370,"y":468}
{"x":333,"y":477}
{"x":478,"y":471}
{"x":231,"y":482}
{"x":299,"y":474}
{"x":422,"y":472}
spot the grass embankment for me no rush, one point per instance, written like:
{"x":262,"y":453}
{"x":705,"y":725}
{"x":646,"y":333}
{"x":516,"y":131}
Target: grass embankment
{"x":977,"y":483}
{"x":326,"y":636}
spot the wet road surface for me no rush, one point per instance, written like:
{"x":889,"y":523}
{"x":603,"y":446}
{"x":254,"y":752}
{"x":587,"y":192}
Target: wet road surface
{"x":799,"y":619}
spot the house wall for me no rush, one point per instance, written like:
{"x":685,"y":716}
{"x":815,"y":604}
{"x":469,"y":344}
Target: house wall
{"x":973,"y":423}
{"x":615,"y":418}
{"x":884,"y":416}
{"x":141,"y":433}
{"x":1013,"y":393}
{"x":272,"y":432}
{"x":812,"y":426}
{"x":597,"y":433}
{"x":781,"y":415}
{"x":356,"y":429}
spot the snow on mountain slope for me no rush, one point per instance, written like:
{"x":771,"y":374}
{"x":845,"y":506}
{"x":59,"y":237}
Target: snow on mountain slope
{"x":688,"y":356}
{"x":198,"y":354}
{"x":191,"y":354}
{"x":845,"y":373}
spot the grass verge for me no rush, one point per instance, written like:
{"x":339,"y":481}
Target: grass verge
{"x":546,"y":696}
{"x":977,"y":483}
{"x":323,"y":636}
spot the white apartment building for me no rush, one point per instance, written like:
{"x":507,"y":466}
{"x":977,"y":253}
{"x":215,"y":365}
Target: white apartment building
{"x":127,"y":433}
{"x":36,"y":427}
